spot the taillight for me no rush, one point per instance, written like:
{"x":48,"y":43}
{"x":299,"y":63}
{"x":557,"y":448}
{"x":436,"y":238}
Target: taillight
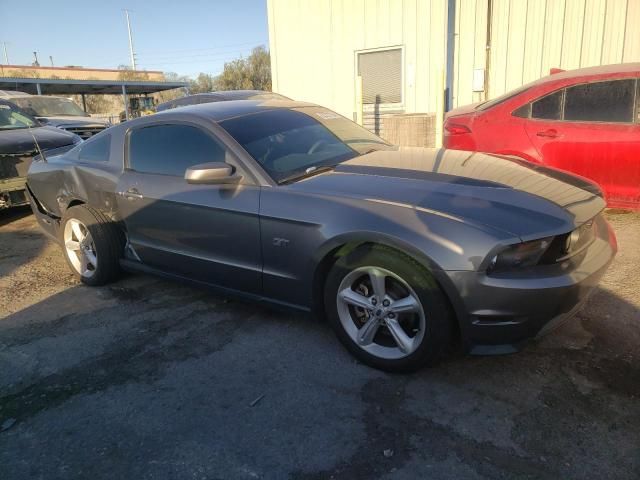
{"x":456,"y":128}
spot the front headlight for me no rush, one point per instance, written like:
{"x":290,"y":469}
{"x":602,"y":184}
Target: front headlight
{"x":520,"y":255}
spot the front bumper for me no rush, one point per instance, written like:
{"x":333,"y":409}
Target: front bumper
{"x":47,"y":222}
{"x":502,"y":312}
{"x":12,"y":192}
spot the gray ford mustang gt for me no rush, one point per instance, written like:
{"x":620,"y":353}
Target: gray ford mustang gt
{"x":405,"y":251}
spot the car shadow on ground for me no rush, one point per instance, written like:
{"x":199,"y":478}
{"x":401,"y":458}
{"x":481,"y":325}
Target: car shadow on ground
{"x":31,"y":240}
{"x":12,"y":214}
{"x":171,"y":380}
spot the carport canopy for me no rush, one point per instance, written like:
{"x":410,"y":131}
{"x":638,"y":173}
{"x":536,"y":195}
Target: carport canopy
{"x":55,"y":86}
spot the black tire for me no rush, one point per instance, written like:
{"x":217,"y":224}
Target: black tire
{"x":438,"y":314}
{"x":108,"y":240}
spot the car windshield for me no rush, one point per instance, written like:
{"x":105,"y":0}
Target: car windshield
{"x":11,"y":118}
{"x":291,"y":143}
{"x":49,"y":106}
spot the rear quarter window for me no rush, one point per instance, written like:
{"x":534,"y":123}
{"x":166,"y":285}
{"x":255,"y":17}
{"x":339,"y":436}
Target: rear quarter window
{"x":548,"y":107}
{"x":96,"y":150}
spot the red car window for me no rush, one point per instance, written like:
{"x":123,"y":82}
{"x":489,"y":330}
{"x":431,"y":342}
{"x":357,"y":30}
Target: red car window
{"x":601,"y":102}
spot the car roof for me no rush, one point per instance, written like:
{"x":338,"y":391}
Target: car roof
{"x":599,"y":71}
{"x":238,"y":94}
{"x":220,"y":96}
{"x":219,"y":111}
{"x":13,"y":94}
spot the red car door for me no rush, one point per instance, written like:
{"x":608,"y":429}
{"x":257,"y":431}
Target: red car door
{"x":592,"y":129}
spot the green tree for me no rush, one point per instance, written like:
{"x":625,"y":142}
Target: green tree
{"x":126,"y":74}
{"x":251,"y":73}
{"x":203,"y":83}
{"x":174,"y":93}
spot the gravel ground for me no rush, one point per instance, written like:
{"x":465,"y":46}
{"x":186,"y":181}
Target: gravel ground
{"x":148,"y":379}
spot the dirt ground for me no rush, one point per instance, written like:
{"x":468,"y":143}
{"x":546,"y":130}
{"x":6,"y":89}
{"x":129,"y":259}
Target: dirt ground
{"x":148,"y":379}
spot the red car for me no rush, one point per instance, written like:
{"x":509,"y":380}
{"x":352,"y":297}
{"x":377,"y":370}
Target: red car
{"x":584,"y":121}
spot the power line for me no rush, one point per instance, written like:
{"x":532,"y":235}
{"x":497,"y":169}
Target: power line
{"x":188,"y":58}
{"x":258,"y":43}
{"x":178,"y":62}
{"x":197,"y":55}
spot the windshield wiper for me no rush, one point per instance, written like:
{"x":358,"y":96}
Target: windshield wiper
{"x":306,"y":173}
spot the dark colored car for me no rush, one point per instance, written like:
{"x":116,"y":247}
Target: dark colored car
{"x":17,"y":148}
{"x":584,"y":121}
{"x":59,"y":112}
{"x":404,"y":250}
{"x":221,"y":96}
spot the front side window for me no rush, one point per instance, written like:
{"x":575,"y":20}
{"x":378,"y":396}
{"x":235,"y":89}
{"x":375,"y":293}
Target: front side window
{"x":171,"y":149}
{"x":548,"y":107}
{"x":12,"y":118}
{"x":286,"y":142}
{"x":601,"y":102}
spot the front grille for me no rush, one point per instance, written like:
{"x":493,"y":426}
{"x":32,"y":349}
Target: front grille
{"x":85,"y":132}
{"x":14,"y":166}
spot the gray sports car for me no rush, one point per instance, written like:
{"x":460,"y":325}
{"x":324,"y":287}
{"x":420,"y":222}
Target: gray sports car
{"x":406,"y":251}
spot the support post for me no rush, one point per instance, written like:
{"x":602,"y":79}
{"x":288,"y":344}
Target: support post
{"x":358,"y":116}
{"x":440,"y":107}
{"x":124,"y":99}
{"x":84,"y":103}
{"x":450,"y":54}
{"x":38,"y":89}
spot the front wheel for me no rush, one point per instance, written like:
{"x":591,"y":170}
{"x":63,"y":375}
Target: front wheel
{"x":92,"y":245}
{"x":387,"y":309}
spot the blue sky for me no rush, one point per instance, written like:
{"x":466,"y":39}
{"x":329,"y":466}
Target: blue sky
{"x":183,"y":36}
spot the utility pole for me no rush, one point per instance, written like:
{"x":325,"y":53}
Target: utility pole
{"x":51,"y":59}
{"x":133,"y":55}
{"x":6,"y":55}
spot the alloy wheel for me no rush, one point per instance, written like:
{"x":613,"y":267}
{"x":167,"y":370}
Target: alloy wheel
{"x":80,"y":248}
{"x":381,"y":312}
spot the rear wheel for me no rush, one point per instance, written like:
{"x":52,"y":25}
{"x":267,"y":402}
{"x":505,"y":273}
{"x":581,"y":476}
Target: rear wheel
{"x":387,"y":309}
{"x":92,"y":245}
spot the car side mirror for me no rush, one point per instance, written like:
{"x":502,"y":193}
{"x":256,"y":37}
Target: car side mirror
{"x":211,"y":173}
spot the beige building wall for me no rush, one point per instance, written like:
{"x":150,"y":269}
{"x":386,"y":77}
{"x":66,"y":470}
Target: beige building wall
{"x":529,"y":37}
{"x":314,"y":43}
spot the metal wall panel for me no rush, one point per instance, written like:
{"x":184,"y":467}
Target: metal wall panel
{"x":632,"y":32}
{"x":529,"y":37}
{"x":313,"y":44}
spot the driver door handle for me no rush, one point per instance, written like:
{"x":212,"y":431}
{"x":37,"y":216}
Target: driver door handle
{"x":549,"y":133}
{"x":131,"y":194}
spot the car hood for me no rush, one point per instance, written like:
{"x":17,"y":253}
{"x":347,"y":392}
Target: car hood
{"x":20,"y":141}
{"x":510,"y":195}
{"x":71,"y":121}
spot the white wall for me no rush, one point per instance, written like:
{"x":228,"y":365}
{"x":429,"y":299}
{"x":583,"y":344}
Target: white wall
{"x":529,"y":37}
{"x":313,"y":44}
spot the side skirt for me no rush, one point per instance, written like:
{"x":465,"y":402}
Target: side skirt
{"x":133,"y":266}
